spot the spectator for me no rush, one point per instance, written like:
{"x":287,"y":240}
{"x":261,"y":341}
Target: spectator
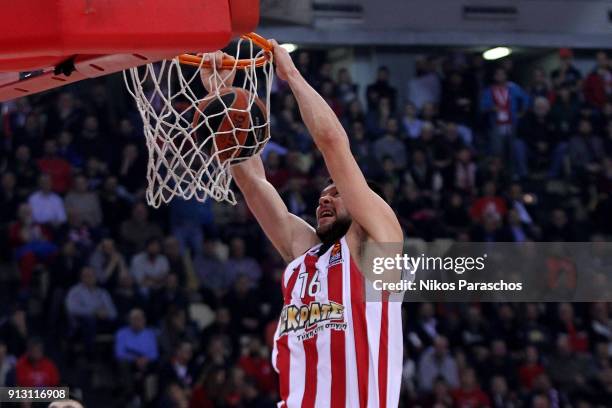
{"x":598,"y":84}
{"x":564,"y":113}
{"x":25,"y":170}
{"x":361,"y":147}
{"x":138,"y":230}
{"x":89,"y":308}
{"x":239,"y":264}
{"x":240,"y":300}
{"x":276,"y":173}
{"x":131,"y":169}
{"x":376,"y":120}
{"x":566,"y":367}
{"x":475,"y":333}
{"x":435,"y":362}
{"x":488,"y":203}
{"x":537,"y":134}
{"x":57,"y":168}
{"x":429,"y":113}
{"x":559,"y":228}
{"x":503,"y":102}
{"x":381,"y":89}
{"x":64,"y":115}
{"x":80,"y":232}
{"x":426,"y":329}
{"x":571,"y":325}
{"x":411,"y":124}
{"x":469,"y":393}
{"x":14,"y":332}
{"x":108,"y":264}
{"x":456,"y":103}
{"x":445,"y":149}
{"x":465,"y":172}
{"x":179,"y":368}
{"x":9,"y":198}
{"x":545,"y":395}
{"x":47,"y":207}
{"x":531,"y":368}
{"x":328,"y":94}
{"x":84,"y":203}
{"x":33,"y":369}
{"x":585,"y":150}
{"x":32,"y":244}
{"x":567,"y":75}
{"x":209,"y":390}
{"x":489,"y":229}
{"x":188,"y":218}
{"x":95,"y":171}
{"x":501,"y":396}
{"x":534,"y":332}
{"x":539,"y":86}
{"x":179,"y":262}
{"x":420,"y":173}
{"x":135,"y":353}
{"x":391,"y":146}
{"x":114,"y":205}
{"x":425,"y":86}
{"x":255,"y":362}
{"x":347,"y":90}
{"x":455,"y":216}
{"x":209,"y":268}
{"x":65,"y":270}
{"x":251,"y":395}
{"x":31,"y":133}
{"x":90,"y":142}
{"x":499,"y":362}
{"x":7,"y":367}
{"x":175,"y":329}
{"x":150,"y":267}
{"x":67,"y":151}
{"x":516,"y":230}
{"x":601,"y":324}
{"x":169,"y":296}
{"x":517,"y":202}
{"x":126,"y":296}
{"x":353,"y":113}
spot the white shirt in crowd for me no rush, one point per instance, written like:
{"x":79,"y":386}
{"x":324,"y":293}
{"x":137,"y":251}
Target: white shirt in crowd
{"x":47,"y":208}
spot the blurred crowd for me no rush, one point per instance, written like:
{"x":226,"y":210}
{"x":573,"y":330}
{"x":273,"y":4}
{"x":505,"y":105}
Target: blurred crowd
{"x":176,"y":307}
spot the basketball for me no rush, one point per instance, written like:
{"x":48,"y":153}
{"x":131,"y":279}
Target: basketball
{"x":237,"y":131}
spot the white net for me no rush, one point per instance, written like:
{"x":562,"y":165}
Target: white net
{"x":193,"y":137}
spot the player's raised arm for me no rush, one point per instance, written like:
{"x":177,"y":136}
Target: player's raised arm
{"x":290,"y":235}
{"x":366,"y":208}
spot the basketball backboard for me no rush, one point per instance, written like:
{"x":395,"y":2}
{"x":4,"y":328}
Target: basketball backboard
{"x":45,"y":44}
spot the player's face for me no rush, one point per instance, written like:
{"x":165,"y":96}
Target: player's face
{"x":331,"y":210}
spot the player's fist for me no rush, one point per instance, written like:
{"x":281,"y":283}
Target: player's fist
{"x":283,"y":61}
{"x":212,"y":74}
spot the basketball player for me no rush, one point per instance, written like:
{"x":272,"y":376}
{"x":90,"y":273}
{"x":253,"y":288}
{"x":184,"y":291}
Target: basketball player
{"x":332,"y":349}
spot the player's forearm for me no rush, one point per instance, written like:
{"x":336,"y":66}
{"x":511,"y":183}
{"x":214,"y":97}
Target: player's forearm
{"x":248,"y":173}
{"x":319,"y":118}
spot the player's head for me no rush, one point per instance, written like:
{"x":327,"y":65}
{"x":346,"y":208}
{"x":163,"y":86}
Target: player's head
{"x":333,"y":219}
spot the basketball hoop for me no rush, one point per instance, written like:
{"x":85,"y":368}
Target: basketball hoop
{"x":170,"y":98}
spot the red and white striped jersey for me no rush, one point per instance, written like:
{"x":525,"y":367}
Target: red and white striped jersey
{"x":331,"y":347}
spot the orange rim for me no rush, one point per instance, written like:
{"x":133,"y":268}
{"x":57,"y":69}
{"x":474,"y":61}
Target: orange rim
{"x":229,"y":62}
